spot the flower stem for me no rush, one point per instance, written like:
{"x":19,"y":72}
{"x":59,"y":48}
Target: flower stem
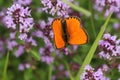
{"x":5,"y":66}
{"x":50,"y":72}
{"x":93,"y":48}
{"x":80,"y":9}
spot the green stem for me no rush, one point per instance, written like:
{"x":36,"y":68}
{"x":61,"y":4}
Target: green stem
{"x":50,"y":72}
{"x":91,"y":19}
{"x":93,"y":48}
{"x":35,"y":55}
{"x":5,"y":66}
{"x":80,"y":9}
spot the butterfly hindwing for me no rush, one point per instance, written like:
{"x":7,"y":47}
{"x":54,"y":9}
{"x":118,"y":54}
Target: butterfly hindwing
{"x":77,"y":34}
{"x":57,"y":29}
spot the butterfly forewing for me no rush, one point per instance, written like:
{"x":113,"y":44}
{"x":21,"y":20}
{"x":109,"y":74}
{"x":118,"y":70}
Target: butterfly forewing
{"x":77,"y":34}
{"x":57,"y":29}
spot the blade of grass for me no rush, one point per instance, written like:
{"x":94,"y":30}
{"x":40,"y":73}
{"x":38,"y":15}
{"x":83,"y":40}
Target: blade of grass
{"x":5,"y":67}
{"x":80,"y":9}
{"x":93,"y":48}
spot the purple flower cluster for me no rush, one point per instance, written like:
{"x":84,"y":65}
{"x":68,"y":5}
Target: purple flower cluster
{"x":44,"y":31}
{"x":90,"y":74}
{"x":20,"y":48}
{"x":19,"y":18}
{"x":23,"y":2}
{"x":55,"y":7}
{"x":110,"y":47}
{"x":60,"y":73}
{"x":46,"y":55}
{"x":109,"y":5}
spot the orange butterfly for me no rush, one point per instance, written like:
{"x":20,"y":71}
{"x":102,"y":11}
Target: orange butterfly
{"x":68,"y":31}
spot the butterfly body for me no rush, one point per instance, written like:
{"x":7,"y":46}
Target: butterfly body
{"x":68,"y":31}
{"x":65,"y":35}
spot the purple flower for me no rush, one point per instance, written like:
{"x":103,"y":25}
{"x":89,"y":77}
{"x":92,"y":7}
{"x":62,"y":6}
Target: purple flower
{"x":23,"y":36}
{"x":47,"y":59}
{"x":105,"y":68}
{"x":31,"y":41}
{"x":110,"y":47}
{"x":11,"y":44}
{"x":109,"y":5}
{"x":116,"y":25}
{"x":21,"y":67}
{"x":46,"y":55}
{"x":18,"y":16}
{"x":61,"y":67}
{"x":118,"y":15}
{"x":38,"y":34}
{"x":53,"y":77}
{"x":19,"y":51}
{"x":44,"y":30}
{"x":2,"y":15}
{"x":23,"y":2}
{"x":55,"y":7}
{"x":27,"y":65}
{"x":66,"y":73}
{"x":24,"y":66}
{"x":12,"y":35}
{"x":66,"y":51}
{"x":41,"y":50}
{"x":47,"y":41}
{"x":90,"y":74}
{"x":98,"y":75}
{"x":74,"y":47}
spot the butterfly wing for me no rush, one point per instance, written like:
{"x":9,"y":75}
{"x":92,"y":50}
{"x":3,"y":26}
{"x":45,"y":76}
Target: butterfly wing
{"x":57,"y":30}
{"x":77,"y":34}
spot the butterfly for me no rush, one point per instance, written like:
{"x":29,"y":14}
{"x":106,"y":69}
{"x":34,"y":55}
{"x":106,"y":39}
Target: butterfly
{"x":68,"y":31}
